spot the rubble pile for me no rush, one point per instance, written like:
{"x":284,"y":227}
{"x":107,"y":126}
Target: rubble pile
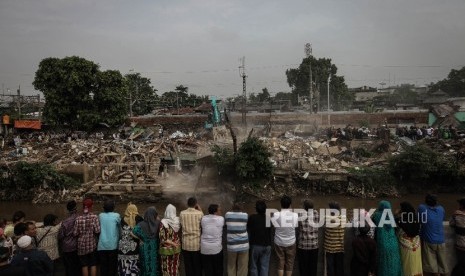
{"x":113,"y":160}
{"x":324,"y":165}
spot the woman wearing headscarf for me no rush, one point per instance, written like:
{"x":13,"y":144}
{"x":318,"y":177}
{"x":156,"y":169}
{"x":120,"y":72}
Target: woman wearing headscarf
{"x":128,"y":247}
{"x":147,"y":232}
{"x":409,"y":240}
{"x":387,"y":246}
{"x":170,"y":244}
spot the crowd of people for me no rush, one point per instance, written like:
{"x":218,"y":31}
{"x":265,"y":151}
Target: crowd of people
{"x":131,"y":244}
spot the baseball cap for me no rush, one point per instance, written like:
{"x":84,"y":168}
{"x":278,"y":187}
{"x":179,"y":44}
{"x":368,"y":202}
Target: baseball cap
{"x":24,"y":241}
{"x":87,"y":204}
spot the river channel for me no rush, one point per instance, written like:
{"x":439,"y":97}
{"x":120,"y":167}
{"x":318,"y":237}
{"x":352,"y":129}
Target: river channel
{"x":36,"y":212}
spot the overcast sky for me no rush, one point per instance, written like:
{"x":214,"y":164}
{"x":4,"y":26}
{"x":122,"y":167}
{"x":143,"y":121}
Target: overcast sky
{"x":198,"y":43}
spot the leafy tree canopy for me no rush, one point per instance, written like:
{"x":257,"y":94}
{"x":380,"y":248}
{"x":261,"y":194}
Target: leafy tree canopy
{"x":454,"y":84}
{"x":180,"y":97}
{"x":143,"y":95}
{"x":298,"y":80}
{"x":69,"y":85}
{"x":250,"y":165}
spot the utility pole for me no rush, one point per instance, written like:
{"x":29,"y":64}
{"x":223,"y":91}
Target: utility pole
{"x":244,"y":91}
{"x":130,"y":94}
{"x":308,"y":54}
{"x":19,"y":102}
{"x":329,"y":114}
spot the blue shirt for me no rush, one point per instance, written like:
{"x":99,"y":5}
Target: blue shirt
{"x":236,"y":231}
{"x":431,"y":218}
{"x":109,"y":231}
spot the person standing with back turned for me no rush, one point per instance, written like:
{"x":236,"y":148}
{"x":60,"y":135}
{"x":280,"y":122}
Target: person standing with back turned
{"x":190,"y":225}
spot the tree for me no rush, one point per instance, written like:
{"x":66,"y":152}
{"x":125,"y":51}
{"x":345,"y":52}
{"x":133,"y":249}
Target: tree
{"x":252,"y":98}
{"x":250,"y":166}
{"x":264,"y":95}
{"x":69,"y":85}
{"x":141,"y":93}
{"x":298,"y":80}
{"x":252,"y":162}
{"x":454,"y":84}
{"x":180,"y":97}
{"x":66,"y":84}
{"x":110,"y":98}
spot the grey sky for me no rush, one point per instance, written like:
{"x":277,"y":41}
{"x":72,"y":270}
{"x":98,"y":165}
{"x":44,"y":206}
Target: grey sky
{"x":198,"y":43}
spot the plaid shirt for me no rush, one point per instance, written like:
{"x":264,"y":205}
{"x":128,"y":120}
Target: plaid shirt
{"x":308,"y":235}
{"x":85,"y":228}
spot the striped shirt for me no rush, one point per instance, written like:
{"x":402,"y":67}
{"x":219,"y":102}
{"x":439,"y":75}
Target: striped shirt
{"x":190,"y":222}
{"x":334,"y":235}
{"x":236,"y":231}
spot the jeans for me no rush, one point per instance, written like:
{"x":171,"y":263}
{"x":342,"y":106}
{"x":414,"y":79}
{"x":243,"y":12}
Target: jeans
{"x":259,"y":260}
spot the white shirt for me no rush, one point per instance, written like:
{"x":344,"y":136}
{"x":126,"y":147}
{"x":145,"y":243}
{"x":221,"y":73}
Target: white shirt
{"x":285,"y":232}
{"x":212,"y":233}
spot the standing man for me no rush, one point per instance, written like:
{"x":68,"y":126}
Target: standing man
{"x":284,"y":238}
{"x":307,"y":245}
{"x":458,"y":223}
{"x":237,"y":241}
{"x":211,"y":241}
{"x":68,"y":241}
{"x":260,"y":241}
{"x":190,"y":223}
{"x":433,"y":248}
{"x":108,"y":240}
{"x":86,"y":229}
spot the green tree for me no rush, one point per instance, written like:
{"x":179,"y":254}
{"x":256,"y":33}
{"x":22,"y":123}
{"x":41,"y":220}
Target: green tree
{"x":420,"y":167}
{"x":69,"y":85}
{"x":252,"y":161}
{"x":264,"y":95}
{"x":66,"y":84}
{"x":250,"y":166}
{"x":454,"y":84}
{"x":298,"y":80}
{"x":181,"y":97}
{"x":142,"y":94}
{"x":110,"y":98}
{"x":252,"y":98}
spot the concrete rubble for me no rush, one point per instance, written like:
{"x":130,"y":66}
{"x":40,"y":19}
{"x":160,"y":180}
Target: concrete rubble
{"x":306,"y":165}
{"x":101,"y":162}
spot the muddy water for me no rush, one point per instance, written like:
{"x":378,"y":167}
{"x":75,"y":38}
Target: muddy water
{"x":38,"y":211}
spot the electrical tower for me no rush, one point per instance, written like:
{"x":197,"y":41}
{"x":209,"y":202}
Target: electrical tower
{"x":244,"y":91}
{"x":18,"y":104}
{"x":308,"y":54}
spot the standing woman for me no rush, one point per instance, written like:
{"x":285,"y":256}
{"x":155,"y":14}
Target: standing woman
{"x":386,"y":241}
{"x":128,"y":246}
{"x":147,"y":232}
{"x":409,"y":240}
{"x":170,"y":243}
